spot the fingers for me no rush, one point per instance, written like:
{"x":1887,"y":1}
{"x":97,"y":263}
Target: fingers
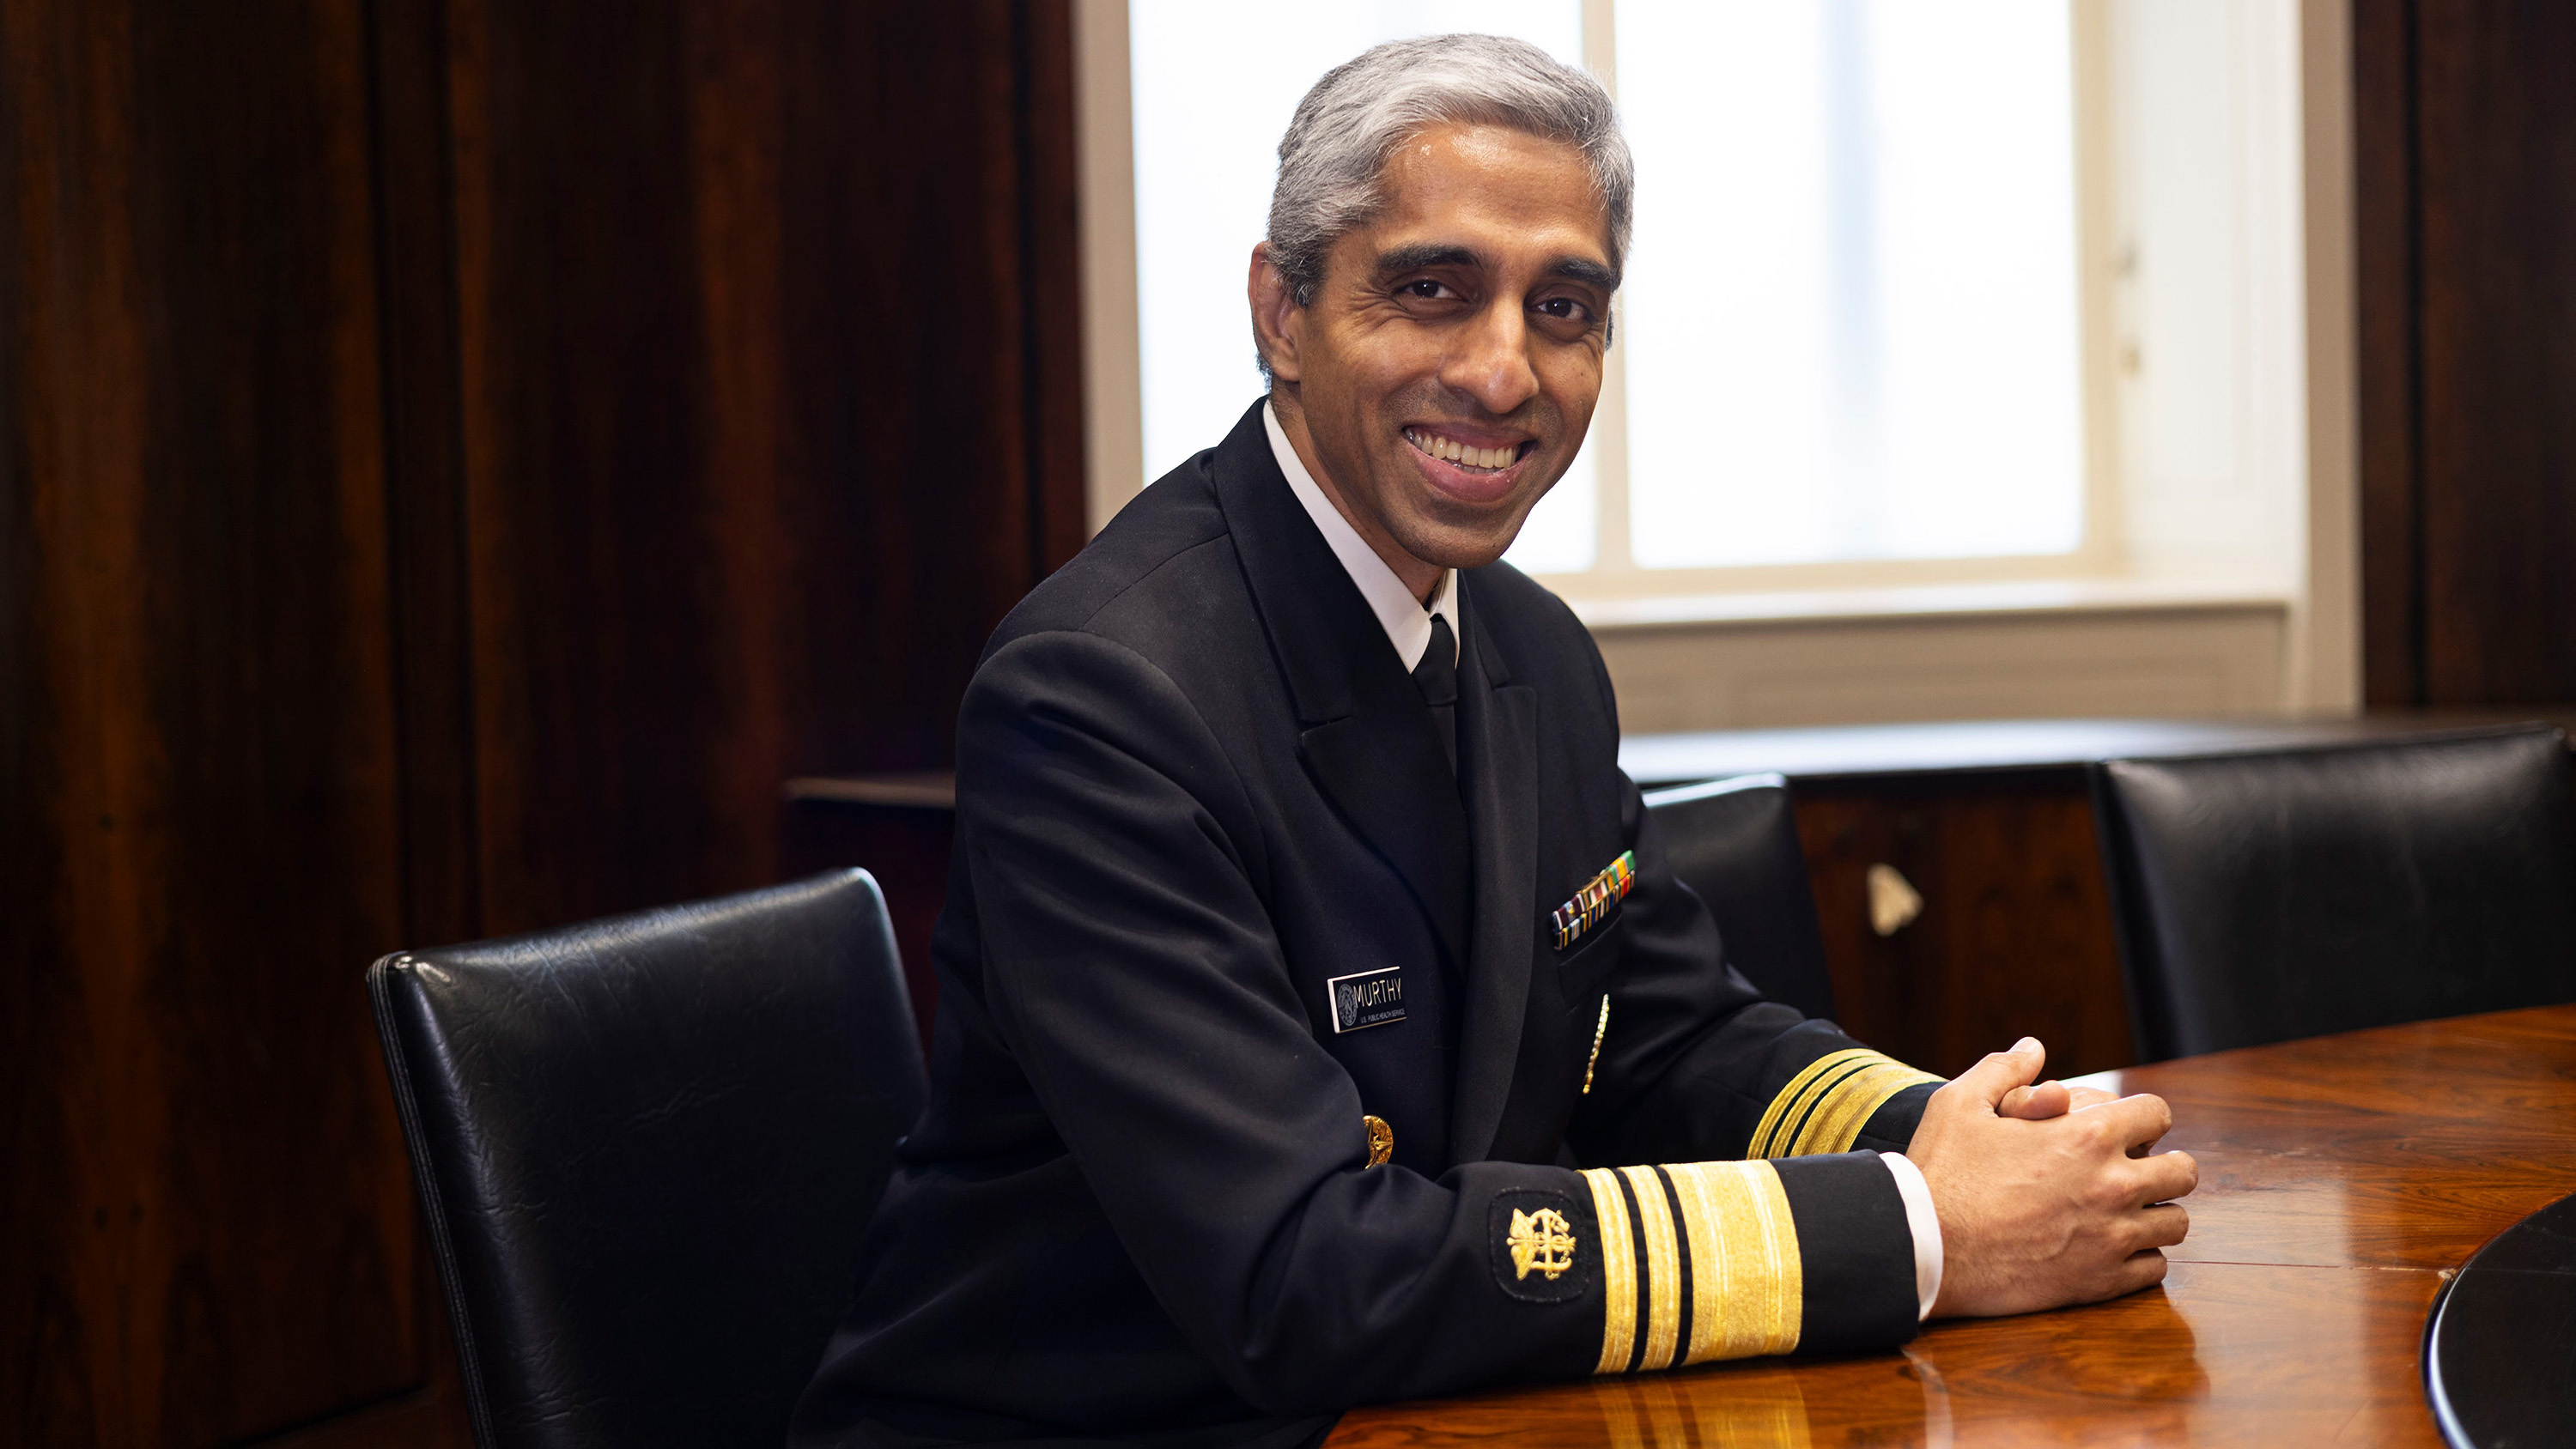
{"x":2052,"y":1098}
{"x":1989,"y":1080}
{"x":2162,"y":1226}
{"x":2134,"y":1123}
{"x":2166,"y":1176}
{"x":2144,"y":1269}
{"x":2036,"y":1103}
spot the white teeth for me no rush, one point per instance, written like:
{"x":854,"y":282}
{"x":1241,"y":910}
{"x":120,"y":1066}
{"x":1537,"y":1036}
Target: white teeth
{"x":1456,"y":452}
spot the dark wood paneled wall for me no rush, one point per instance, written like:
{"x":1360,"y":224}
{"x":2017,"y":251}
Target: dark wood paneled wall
{"x":749,"y":284}
{"x":2465,"y":121}
{"x":209,"y":1230}
{"x":456,"y":460}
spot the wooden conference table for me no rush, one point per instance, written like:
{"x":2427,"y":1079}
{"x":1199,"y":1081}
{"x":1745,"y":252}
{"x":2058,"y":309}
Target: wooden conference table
{"x":2343,"y":1180}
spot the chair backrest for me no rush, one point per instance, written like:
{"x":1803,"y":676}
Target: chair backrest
{"x":1735,"y":843}
{"x":2265,"y":896}
{"x":647,"y":1147}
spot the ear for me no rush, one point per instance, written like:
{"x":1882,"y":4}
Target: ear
{"x":1276,"y":317}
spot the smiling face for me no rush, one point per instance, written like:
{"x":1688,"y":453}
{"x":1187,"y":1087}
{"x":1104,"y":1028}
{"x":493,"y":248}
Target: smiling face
{"x":1443,"y":375}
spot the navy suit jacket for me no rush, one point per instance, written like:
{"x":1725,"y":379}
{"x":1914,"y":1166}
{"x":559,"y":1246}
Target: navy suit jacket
{"x":1196,"y":787}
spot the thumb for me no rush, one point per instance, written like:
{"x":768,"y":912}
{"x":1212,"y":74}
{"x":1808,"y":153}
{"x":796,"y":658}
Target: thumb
{"x":2000,"y":1072}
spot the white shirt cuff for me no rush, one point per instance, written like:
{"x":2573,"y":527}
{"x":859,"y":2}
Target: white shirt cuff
{"x":1926,"y":1227}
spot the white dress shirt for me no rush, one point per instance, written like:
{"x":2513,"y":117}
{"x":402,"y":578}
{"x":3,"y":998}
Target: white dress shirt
{"x":1407,"y":623}
{"x":1408,"y":628}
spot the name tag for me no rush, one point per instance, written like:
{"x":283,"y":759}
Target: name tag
{"x":1367,"y":998}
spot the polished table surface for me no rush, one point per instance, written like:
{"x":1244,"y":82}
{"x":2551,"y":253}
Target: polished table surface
{"x":2343,"y":1180}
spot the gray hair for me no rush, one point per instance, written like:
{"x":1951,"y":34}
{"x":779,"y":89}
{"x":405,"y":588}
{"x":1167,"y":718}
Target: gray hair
{"x":1332,"y":160}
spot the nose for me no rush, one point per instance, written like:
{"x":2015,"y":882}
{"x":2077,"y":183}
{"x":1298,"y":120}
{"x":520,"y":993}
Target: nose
{"x":1492,"y":362}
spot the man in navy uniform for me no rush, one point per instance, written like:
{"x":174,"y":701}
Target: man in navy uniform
{"x":1319,"y":1021}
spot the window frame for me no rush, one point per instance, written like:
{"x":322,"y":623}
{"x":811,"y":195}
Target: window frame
{"x":2100,"y":574}
{"x":1614,"y":575}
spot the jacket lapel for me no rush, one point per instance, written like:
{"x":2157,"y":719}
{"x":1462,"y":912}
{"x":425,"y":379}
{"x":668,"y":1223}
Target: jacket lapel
{"x":1369,"y":741}
{"x":1498,"y":768}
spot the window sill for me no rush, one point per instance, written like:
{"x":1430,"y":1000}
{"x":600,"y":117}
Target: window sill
{"x":2048,"y":598}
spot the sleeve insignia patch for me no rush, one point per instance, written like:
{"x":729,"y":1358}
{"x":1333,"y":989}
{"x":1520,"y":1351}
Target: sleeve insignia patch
{"x":1539,"y":1255}
{"x":1541,"y":1242}
{"x":1594,"y":901}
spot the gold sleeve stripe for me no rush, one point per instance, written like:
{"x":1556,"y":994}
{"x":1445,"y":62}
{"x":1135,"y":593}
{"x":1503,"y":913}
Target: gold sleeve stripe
{"x":1747,"y":1280}
{"x":1796,"y":1100}
{"x":1835,"y":1124}
{"x":1663,"y":1275}
{"x":1618,"y":1271}
{"x":1823,"y":1108}
{"x":1718,"y":1233}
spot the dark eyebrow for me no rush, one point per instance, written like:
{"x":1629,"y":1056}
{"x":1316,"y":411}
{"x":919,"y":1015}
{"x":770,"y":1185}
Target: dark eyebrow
{"x":1579,"y":269}
{"x":1427,"y":254}
{"x":1423,"y":255}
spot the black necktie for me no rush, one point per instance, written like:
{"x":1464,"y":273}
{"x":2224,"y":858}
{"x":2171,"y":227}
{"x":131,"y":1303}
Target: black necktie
{"x":1437,"y":677}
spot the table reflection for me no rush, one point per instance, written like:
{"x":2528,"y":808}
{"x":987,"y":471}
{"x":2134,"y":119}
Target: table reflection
{"x":2136,"y":1375}
{"x":1757,"y":1407}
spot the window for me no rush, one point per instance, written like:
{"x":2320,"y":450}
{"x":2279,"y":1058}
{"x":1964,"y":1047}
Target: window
{"x":1851,"y":312}
{"x":1923,"y":292}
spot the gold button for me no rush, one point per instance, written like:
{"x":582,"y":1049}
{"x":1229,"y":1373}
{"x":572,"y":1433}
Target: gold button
{"x":1381,"y":1140}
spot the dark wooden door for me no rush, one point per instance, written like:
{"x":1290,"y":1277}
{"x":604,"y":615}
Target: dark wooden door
{"x":456,"y":460}
{"x":208,"y":1232}
{"x":2465,"y":121}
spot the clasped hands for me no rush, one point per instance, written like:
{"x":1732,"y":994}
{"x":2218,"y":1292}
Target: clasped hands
{"x":2048,"y":1195}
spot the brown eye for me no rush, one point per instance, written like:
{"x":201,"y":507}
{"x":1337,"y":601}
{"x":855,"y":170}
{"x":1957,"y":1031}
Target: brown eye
{"x":1427,"y":289}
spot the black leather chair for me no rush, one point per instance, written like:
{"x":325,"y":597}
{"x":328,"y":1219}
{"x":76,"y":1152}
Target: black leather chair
{"x":647,"y":1147}
{"x":2292,"y":893}
{"x":1735,"y":843}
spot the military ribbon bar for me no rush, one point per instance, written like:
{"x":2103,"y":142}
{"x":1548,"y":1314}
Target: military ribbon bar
{"x":1596,"y":898}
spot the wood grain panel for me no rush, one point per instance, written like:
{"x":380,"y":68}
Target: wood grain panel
{"x":210,"y":1230}
{"x":424,"y":467}
{"x":2465,"y":247}
{"x":2015,"y":937}
{"x":1050,"y":266}
{"x":768,"y":412}
{"x":2387,"y":347}
{"x":2496,"y":146}
{"x":455,"y":461}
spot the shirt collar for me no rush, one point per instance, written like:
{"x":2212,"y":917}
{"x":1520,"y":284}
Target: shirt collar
{"x":1407,"y":623}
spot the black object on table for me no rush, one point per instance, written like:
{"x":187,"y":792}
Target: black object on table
{"x":2500,"y":1345}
